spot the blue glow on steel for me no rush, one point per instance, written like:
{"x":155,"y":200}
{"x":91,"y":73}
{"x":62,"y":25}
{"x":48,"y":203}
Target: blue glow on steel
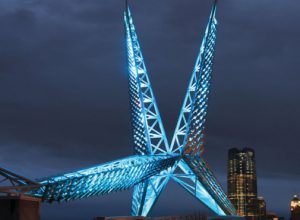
{"x":102,"y":179}
{"x":190,"y":125}
{"x":189,"y":181}
{"x":155,"y":162}
{"x":148,"y":131}
{"x":188,"y":136}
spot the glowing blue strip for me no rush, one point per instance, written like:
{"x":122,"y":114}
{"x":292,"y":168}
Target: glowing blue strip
{"x":152,"y":124}
{"x":102,"y":179}
{"x":195,"y":187}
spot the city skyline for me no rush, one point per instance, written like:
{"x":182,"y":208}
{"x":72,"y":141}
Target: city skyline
{"x":58,"y":96}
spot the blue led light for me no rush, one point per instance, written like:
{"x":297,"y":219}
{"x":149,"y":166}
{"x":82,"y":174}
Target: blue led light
{"x":102,"y":179}
{"x":189,"y":132}
{"x":155,"y":162}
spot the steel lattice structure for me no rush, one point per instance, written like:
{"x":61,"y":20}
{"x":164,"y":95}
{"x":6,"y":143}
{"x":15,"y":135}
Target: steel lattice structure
{"x":102,"y":179}
{"x":156,"y":161}
{"x":191,"y":171}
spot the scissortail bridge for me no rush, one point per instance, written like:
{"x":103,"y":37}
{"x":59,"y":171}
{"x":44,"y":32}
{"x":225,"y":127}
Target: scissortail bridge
{"x":156,"y":161}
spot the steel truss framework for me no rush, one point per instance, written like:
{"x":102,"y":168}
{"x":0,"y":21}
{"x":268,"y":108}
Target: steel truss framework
{"x":102,"y":179}
{"x":191,"y":171}
{"x":11,"y":183}
{"x":156,"y":161}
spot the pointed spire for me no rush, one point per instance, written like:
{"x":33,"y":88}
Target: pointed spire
{"x":202,"y":69}
{"x":213,"y":11}
{"x":194,"y":139}
{"x":127,"y":8}
{"x":126,"y":12}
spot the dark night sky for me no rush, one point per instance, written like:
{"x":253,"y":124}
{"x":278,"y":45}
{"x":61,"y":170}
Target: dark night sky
{"x":64,"y":99}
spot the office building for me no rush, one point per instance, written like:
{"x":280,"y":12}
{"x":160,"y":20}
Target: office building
{"x":262,"y":208}
{"x":295,"y":208}
{"x":242,"y":183}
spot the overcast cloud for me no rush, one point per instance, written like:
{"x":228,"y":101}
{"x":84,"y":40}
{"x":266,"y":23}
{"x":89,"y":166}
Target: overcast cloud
{"x":64,"y":99}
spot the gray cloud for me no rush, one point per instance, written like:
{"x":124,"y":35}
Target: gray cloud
{"x":64,"y":98}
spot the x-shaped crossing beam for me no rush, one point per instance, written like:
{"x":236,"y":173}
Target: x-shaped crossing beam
{"x":190,"y":171}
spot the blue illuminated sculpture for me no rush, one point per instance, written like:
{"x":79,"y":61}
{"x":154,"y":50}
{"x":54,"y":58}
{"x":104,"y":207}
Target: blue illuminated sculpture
{"x":156,"y":161}
{"x":190,"y":171}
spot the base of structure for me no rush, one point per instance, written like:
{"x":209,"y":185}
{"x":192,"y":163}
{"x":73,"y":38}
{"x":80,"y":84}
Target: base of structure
{"x":19,"y":208}
{"x":192,"y":216}
{"x":123,"y":218}
{"x":228,"y":218}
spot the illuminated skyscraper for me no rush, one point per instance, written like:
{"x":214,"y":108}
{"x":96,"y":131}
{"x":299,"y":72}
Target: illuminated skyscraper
{"x":242,"y":184}
{"x":262,"y":208}
{"x":295,"y":208}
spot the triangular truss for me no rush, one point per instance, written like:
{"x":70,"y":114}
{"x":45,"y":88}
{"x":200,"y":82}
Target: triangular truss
{"x":148,"y":131}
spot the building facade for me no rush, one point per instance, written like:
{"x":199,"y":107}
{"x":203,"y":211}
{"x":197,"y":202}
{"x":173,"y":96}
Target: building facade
{"x":295,"y":208}
{"x":242,"y":183}
{"x":262,"y":208}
